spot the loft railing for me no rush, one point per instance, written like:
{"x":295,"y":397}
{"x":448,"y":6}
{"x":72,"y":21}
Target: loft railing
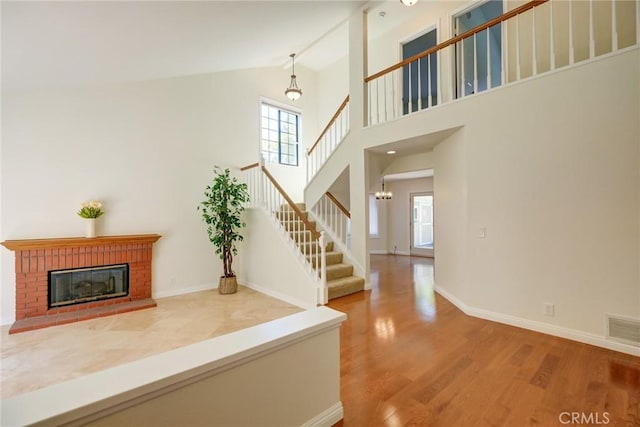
{"x":334,"y":218}
{"x":302,"y":235}
{"x":329,"y":139}
{"x":535,"y":38}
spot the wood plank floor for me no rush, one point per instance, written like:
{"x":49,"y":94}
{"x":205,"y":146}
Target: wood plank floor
{"x":410,"y":358}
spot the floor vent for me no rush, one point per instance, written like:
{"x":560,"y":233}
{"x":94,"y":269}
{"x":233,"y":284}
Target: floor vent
{"x":623,"y":329}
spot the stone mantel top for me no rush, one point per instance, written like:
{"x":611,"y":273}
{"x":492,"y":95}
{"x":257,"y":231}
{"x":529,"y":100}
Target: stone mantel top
{"x":65,"y":242}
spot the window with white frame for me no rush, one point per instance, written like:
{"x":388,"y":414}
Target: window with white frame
{"x":373,"y":216}
{"x":279,"y":134}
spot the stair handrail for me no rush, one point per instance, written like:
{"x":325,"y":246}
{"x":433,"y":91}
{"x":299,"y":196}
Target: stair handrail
{"x":497,"y":20}
{"x":340,"y":206}
{"x":292,"y":205}
{"x":331,"y":137}
{"x":268,"y":194}
{"x":315,"y":262}
{"x":328,"y":126}
{"x":251,"y":166}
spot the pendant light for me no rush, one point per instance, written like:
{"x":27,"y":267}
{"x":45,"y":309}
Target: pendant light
{"x":293,"y":92}
{"x":383,"y":195}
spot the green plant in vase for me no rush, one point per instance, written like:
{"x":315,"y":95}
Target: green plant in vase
{"x":222,"y":211}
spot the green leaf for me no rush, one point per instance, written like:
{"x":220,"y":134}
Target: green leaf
{"x":222,"y":211}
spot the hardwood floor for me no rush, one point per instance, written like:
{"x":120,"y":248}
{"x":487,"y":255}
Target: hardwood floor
{"x":410,"y":358}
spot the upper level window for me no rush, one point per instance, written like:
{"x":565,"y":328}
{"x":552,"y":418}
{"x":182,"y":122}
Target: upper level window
{"x":280,"y":135}
{"x":420,"y":78}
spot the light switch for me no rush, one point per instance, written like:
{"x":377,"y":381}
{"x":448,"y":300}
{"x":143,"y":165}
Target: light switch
{"x":483,"y":233}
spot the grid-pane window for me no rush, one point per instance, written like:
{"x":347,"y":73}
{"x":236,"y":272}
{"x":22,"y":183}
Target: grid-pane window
{"x":280,"y":131}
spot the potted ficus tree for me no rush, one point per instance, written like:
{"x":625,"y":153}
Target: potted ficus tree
{"x":222,"y":212}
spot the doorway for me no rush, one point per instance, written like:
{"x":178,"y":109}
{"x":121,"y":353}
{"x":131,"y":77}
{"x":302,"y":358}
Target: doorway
{"x":422,"y":238}
{"x":478,"y":59}
{"x":420,"y":78}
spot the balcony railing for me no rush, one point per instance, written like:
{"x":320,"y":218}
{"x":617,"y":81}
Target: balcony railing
{"x":334,"y":218}
{"x":329,"y":139}
{"x":537,"y":37}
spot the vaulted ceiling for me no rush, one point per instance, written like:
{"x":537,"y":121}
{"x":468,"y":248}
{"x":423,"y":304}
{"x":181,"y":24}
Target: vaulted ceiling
{"x":53,"y":43}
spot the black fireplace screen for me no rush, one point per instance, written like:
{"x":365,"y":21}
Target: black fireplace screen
{"x":88,"y":284}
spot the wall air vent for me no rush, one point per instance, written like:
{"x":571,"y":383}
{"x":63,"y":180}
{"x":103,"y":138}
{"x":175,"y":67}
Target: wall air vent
{"x":623,"y":329}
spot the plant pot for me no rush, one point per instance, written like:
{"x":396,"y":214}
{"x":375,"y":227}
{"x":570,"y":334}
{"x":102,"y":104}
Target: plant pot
{"x":227,"y":285}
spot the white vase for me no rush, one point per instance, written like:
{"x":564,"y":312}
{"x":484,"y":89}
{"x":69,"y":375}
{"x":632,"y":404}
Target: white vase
{"x":90,"y":227}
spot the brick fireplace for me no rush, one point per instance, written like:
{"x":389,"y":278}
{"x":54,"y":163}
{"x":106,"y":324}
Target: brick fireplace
{"x":36,"y":258}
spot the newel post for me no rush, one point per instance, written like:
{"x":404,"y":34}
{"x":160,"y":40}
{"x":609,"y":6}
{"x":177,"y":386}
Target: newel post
{"x":323,"y":269}
{"x":261,"y":189}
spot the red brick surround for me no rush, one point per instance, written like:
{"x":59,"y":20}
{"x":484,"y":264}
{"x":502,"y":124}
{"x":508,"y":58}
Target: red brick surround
{"x":35,"y":258}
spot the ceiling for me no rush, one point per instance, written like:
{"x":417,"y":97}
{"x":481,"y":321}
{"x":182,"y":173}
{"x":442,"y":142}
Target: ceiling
{"x":52,"y":44}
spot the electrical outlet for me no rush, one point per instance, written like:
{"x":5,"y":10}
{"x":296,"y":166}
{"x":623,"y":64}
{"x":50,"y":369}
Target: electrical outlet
{"x":482,"y":233}
{"x":548,"y":309}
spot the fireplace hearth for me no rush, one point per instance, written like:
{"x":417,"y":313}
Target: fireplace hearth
{"x":64,"y":280}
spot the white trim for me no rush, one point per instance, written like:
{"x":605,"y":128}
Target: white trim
{"x":532,"y":325}
{"x":467,"y":8}
{"x":378,"y":252}
{"x":338,"y":244}
{"x":277,"y":295}
{"x":188,"y":290}
{"x":544,"y":74}
{"x":292,"y":109}
{"x":264,"y":99}
{"x":328,"y":417}
{"x":95,"y":395}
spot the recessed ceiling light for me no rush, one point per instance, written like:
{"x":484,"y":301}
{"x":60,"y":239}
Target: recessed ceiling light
{"x":391,"y":152}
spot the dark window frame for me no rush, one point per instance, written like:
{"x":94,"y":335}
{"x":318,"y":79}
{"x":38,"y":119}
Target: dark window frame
{"x":280,"y":128}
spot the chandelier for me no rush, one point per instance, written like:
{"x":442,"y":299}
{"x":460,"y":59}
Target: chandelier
{"x":383,"y":195}
{"x":293,"y":92}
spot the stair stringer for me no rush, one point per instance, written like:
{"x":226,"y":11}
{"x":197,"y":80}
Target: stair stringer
{"x":358,"y":269}
{"x":270,"y":262}
{"x":337,"y":162}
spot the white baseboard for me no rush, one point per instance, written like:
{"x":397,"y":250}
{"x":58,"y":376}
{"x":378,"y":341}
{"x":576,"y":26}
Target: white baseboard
{"x":276,"y":294}
{"x":172,"y":293}
{"x":378,"y":252}
{"x":328,"y":417}
{"x":188,"y":290}
{"x":545,"y":328}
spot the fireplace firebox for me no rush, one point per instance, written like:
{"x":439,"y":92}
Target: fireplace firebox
{"x":80,"y":285}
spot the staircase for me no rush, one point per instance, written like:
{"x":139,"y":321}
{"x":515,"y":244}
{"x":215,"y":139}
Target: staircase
{"x":340,"y":278}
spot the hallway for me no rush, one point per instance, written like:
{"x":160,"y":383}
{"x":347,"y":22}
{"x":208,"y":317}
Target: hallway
{"x":409,"y":357}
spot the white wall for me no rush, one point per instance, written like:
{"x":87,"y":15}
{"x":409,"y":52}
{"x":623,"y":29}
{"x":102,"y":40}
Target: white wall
{"x":333,"y":87}
{"x":145,"y":149}
{"x":555,"y":182}
{"x":270,"y":374}
{"x":268,"y":264}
